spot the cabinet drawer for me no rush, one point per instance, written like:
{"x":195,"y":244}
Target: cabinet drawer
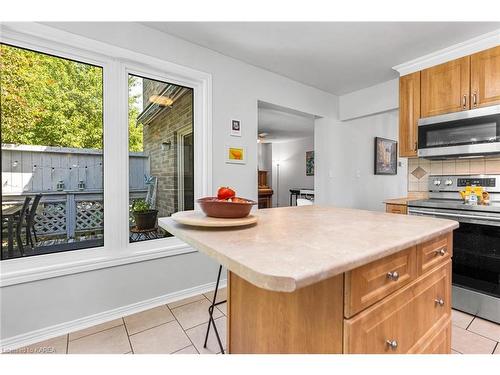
{"x":368,"y":284}
{"x":433,"y":253}
{"x":436,"y":341}
{"x":395,"y":209}
{"x":403,"y":318}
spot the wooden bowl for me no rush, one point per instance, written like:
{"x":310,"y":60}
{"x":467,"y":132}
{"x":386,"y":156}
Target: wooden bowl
{"x":224,"y":209}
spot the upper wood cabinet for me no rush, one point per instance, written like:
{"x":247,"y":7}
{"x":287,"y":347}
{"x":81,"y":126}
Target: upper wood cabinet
{"x":485,"y":78}
{"x":445,"y":88}
{"x":409,"y":113}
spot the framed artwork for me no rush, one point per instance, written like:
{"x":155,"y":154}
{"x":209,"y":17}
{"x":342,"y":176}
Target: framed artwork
{"x":236,"y":155}
{"x":310,"y":163}
{"x":386,"y":156}
{"x":236,"y":128}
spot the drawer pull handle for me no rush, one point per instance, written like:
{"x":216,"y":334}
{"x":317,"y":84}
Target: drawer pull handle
{"x":393,"y":275}
{"x":393,"y":344}
{"x":441,"y":252}
{"x":439,"y":301}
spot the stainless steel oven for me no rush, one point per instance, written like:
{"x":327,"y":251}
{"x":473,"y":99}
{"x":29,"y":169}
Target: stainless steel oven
{"x":460,"y":134}
{"x":476,"y":243}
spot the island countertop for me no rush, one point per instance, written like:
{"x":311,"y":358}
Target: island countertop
{"x":293,"y":247}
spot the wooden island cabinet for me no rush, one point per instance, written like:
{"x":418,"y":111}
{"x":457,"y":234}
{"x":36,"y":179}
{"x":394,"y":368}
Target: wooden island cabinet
{"x":297,"y":288}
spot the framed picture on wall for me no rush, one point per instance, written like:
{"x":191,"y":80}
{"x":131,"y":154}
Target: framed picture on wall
{"x":236,"y":155}
{"x":236,"y":128}
{"x":310,"y":163}
{"x":386,"y":156}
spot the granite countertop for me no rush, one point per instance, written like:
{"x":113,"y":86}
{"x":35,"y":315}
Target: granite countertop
{"x":292,"y":247}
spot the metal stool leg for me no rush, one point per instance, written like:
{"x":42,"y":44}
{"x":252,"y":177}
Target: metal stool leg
{"x":211,"y":311}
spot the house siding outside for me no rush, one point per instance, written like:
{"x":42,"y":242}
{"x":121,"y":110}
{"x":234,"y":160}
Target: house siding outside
{"x":163,"y":163}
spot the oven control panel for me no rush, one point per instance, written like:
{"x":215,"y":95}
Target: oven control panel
{"x":475,"y":181}
{"x":445,"y":183}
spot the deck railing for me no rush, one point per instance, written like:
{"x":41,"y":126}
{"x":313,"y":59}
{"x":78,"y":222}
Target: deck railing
{"x":70,"y":213}
{"x":70,"y":181}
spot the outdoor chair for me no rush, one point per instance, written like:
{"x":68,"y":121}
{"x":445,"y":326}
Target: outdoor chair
{"x":30,"y":221}
{"x":19,"y":225}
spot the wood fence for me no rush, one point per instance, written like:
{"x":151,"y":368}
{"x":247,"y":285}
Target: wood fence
{"x":71,"y":183}
{"x":37,"y":169}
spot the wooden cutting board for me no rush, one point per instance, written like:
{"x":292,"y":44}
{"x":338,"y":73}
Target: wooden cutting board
{"x":199,"y":219}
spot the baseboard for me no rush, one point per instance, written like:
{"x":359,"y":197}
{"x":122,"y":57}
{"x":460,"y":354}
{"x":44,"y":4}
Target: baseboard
{"x":15,"y":342}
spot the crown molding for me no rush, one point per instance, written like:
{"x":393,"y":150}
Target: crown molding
{"x":477,"y":44}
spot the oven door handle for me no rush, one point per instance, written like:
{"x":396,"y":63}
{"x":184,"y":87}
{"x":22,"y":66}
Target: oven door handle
{"x":455,"y":215}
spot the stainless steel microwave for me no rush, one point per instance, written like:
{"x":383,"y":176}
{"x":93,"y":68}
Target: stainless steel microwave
{"x":460,"y":134}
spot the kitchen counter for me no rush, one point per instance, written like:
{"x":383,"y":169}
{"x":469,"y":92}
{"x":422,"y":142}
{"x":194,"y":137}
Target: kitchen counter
{"x":403,"y":201}
{"x":312,"y":279}
{"x":412,"y":196}
{"x":293,"y":247}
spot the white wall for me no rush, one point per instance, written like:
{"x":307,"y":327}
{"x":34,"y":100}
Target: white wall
{"x":265,"y":160}
{"x":292,"y":170}
{"x":236,"y":89}
{"x":369,"y":101}
{"x":345,"y":158}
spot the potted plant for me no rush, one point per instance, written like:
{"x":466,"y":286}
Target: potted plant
{"x":145,"y":217}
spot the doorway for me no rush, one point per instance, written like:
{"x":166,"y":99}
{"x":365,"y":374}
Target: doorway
{"x":285,"y":156}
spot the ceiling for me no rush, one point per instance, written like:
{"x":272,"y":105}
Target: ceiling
{"x":337,"y":57}
{"x":283,"y":124}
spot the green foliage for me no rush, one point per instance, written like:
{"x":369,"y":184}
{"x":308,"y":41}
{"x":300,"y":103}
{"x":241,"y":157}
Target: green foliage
{"x":134,"y":129}
{"x":140,"y":205}
{"x":51,"y":101}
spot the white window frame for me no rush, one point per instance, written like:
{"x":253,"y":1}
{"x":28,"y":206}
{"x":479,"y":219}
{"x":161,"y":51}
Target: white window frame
{"x":116,"y":63}
{"x":180,"y":165}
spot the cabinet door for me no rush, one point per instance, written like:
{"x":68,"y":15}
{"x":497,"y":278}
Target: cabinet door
{"x":485,"y":78}
{"x":401,"y":322}
{"x":445,"y":88}
{"x":409,"y":113}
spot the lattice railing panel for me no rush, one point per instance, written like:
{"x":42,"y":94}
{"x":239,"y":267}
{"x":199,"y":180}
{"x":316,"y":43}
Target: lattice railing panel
{"x":52,"y":219}
{"x":89,"y":215}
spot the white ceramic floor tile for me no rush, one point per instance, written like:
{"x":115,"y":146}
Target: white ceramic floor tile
{"x":221,"y":295}
{"x":164,"y":339}
{"x":148,"y":319}
{"x":185,"y":301}
{"x":485,"y":328}
{"x":110,"y":341}
{"x":193,"y":314}
{"x":95,"y":329}
{"x":467,"y":342}
{"x":197,"y":336}
{"x":461,"y":319}
{"x":189,"y":350}
{"x":223,"y":308}
{"x":57,"y":345}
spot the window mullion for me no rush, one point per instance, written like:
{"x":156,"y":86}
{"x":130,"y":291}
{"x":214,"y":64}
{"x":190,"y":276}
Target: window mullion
{"x":115,"y":157}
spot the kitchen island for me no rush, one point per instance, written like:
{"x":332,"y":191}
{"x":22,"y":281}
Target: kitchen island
{"x":315,"y":279}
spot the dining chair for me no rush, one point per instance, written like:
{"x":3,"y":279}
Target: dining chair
{"x":30,"y":221}
{"x":19,"y":225}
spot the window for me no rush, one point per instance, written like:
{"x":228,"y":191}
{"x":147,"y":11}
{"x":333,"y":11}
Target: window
{"x":161,"y":154}
{"x":52,"y":153}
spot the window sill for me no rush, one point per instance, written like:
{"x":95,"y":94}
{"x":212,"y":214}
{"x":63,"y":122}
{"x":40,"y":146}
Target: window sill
{"x":24,"y":270}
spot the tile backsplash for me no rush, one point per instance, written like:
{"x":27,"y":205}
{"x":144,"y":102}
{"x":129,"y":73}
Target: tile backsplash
{"x":419,"y":170}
